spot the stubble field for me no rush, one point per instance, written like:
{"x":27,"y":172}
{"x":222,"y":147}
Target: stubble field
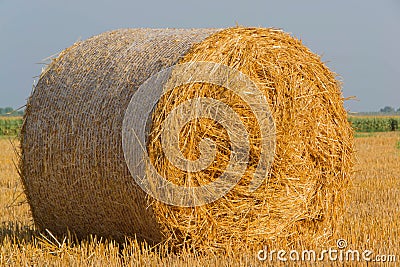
{"x":371,"y":221}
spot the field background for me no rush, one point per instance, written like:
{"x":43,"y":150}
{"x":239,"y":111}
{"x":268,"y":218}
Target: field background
{"x":371,"y":220}
{"x":375,"y":123}
{"x":10,"y":126}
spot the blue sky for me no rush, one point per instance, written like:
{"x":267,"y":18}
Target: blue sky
{"x":359,"y":40}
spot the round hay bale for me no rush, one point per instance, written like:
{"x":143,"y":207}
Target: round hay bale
{"x":77,"y":177}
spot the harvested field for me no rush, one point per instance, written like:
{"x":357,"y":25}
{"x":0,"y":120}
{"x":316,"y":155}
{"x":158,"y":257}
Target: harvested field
{"x":371,"y":220}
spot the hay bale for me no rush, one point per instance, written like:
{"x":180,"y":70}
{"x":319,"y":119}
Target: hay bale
{"x":73,"y":164}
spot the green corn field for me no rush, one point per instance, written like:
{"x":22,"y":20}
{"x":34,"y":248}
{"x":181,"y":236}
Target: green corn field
{"x":375,"y":124}
{"x":11,"y":126}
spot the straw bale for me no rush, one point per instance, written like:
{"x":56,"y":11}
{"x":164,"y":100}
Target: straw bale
{"x":73,"y":166}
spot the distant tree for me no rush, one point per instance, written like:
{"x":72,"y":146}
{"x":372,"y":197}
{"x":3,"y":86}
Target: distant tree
{"x":398,"y":110}
{"x":388,"y":109}
{"x":1,"y":111}
{"x":8,"y":110}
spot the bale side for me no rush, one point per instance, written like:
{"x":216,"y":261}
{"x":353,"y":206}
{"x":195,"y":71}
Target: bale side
{"x":73,"y":165}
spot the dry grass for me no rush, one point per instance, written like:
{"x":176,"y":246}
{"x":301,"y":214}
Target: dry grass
{"x":371,"y":221}
{"x":373,"y":209}
{"x":13,"y":207}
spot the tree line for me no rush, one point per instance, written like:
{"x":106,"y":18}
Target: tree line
{"x":389,"y":109}
{"x":9,"y":111}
